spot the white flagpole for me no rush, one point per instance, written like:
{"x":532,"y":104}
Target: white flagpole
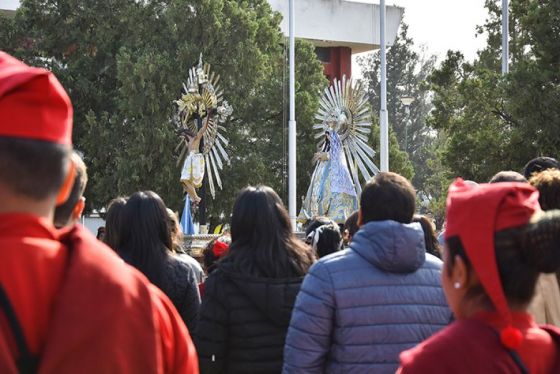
{"x":505,"y":36}
{"x":292,"y":195}
{"x":383,"y":118}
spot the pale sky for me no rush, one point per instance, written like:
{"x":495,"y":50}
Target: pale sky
{"x":445,"y":24}
{"x":441,"y":25}
{"x":9,"y":4}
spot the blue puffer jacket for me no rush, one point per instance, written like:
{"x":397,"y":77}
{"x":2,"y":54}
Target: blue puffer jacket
{"x":359,"y":308}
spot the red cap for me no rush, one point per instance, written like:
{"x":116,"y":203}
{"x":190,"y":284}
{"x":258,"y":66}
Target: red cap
{"x":474,"y":214}
{"x":33,"y":104}
{"x":221,"y":246}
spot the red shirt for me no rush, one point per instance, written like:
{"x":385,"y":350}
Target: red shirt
{"x":473,"y":346}
{"x":32,"y":264}
{"x":81,"y":308}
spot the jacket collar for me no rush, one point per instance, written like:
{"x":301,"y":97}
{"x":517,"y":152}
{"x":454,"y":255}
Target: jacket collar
{"x":26,"y":225}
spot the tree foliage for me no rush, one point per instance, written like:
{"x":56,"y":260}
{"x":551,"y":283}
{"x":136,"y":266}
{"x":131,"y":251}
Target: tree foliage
{"x":489,"y":122}
{"x":407,"y":71}
{"x":494,"y":122}
{"x":123,"y":63}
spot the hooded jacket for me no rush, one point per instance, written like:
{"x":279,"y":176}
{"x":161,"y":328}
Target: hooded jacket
{"x":243,"y":322}
{"x":359,"y":308}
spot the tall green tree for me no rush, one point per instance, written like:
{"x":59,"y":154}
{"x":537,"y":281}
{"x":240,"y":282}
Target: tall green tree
{"x":494,"y":122}
{"x":123,"y":63}
{"x":489,"y":122}
{"x":407,"y":71}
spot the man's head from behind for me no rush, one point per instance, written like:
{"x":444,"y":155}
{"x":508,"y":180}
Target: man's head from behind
{"x":387,"y":196}
{"x":71,"y":210}
{"x":35,"y":136}
{"x":548,"y":184}
{"x":539,"y":164}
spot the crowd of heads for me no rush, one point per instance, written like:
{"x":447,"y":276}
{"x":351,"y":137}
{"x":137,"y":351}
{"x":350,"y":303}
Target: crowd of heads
{"x":499,"y":236}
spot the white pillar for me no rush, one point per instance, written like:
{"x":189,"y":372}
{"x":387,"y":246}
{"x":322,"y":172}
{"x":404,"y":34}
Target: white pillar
{"x":505,"y":36}
{"x":292,"y":194}
{"x":383,"y":118}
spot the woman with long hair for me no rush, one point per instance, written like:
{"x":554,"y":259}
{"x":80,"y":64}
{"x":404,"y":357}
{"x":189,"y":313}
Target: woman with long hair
{"x":113,"y":222}
{"x":249,"y":298}
{"x":177,"y":238}
{"x":497,"y":242}
{"x":147,"y":245}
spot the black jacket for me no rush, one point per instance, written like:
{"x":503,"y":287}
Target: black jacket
{"x":243,"y":322}
{"x":180,"y":285}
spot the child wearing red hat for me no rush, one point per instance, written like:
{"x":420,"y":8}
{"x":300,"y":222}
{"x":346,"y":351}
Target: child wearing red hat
{"x":498,"y":241}
{"x":68,"y":304}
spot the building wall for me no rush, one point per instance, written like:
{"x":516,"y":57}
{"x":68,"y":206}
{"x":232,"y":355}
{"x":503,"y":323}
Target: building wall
{"x":340,"y":23}
{"x":339,"y":63}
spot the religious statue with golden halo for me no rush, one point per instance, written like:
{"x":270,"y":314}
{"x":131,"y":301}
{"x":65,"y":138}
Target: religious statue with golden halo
{"x":202,"y":113}
{"x":343,"y":152}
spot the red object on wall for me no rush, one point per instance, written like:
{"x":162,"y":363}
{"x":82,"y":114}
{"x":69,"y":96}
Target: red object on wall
{"x":337,"y":61}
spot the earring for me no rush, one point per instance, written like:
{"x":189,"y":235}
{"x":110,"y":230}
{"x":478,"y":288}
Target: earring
{"x":457,"y":285}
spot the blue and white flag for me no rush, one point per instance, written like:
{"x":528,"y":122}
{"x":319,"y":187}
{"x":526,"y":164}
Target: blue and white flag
{"x":187,"y":225}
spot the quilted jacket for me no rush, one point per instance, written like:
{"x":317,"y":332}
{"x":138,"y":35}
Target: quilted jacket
{"x":243,"y":322}
{"x":359,"y":308}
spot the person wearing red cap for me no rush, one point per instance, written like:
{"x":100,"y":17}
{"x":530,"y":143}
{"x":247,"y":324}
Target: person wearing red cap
{"x":497,"y":242}
{"x":68,"y":304}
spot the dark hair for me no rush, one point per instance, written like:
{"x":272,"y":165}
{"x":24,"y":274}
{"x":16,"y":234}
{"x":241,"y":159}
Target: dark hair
{"x":316,"y":222}
{"x":209,"y":257}
{"x":33,"y":168}
{"x":263,"y":243}
{"x":539,"y":164}
{"x":63,"y":213}
{"x":325,"y":239}
{"x":388,"y":196}
{"x":548,"y":184}
{"x":351,"y":223}
{"x":146,"y":240}
{"x":114,"y":222}
{"x":508,"y":176}
{"x":430,"y":238}
{"x":175,"y":229}
{"x":521,"y":255}
{"x":100,"y":233}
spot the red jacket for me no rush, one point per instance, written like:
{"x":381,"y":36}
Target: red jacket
{"x":473,"y":346}
{"x":81,"y":308}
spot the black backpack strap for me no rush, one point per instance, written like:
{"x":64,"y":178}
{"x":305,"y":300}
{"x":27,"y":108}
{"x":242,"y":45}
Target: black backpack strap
{"x":27,"y":362}
{"x":518,"y":361}
{"x":514,"y":356}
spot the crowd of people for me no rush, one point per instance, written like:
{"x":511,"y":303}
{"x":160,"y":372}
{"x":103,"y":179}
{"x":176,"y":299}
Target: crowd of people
{"x":379,"y":294}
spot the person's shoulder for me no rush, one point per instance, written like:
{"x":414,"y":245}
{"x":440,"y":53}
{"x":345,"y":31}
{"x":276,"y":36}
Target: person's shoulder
{"x":178,"y":265}
{"x":432,"y":262}
{"x":336,"y":259}
{"x":553,"y":331}
{"x":95,"y":265}
{"x":333,"y":263}
{"x":429,"y":356}
{"x":447,"y":347}
{"x":216,"y":280}
{"x":189,"y":260}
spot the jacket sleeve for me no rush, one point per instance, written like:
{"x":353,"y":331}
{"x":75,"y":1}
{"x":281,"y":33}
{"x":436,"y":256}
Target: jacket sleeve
{"x":309,"y":335}
{"x":211,"y":334}
{"x":175,"y":347}
{"x":191,"y":302}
